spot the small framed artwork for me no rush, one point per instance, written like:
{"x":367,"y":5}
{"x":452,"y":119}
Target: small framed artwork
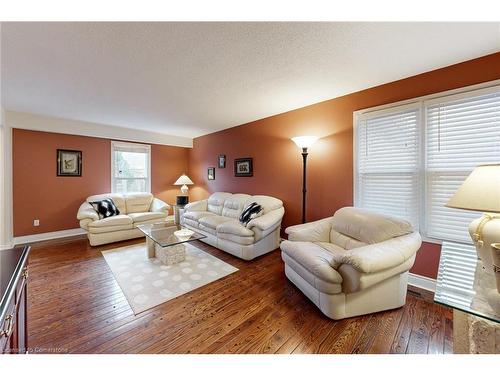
{"x":222,"y":161}
{"x":69,"y":163}
{"x":211,"y":173}
{"x":243,"y":167}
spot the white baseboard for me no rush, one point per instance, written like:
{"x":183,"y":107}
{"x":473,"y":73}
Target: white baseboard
{"x":48,"y":236}
{"x":422,"y":282}
{"x":6,"y":246}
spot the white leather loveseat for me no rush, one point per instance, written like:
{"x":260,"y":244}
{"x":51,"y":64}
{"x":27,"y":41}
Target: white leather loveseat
{"x":135,"y":209}
{"x":353,"y":263}
{"x":218,"y":218}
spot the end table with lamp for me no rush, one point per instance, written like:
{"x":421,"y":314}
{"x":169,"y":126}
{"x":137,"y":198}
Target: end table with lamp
{"x":183,"y":198}
{"x":469,"y":275}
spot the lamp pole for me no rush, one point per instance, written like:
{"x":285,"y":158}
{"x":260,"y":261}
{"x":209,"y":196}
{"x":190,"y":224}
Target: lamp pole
{"x":304,"y":190}
{"x":304,"y":142}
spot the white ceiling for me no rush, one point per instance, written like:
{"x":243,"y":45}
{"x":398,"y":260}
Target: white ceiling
{"x":189,"y":79}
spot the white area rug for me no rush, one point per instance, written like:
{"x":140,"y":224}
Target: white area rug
{"x":147,"y":282}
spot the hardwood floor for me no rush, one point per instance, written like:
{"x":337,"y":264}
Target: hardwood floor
{"x":76,"y":306}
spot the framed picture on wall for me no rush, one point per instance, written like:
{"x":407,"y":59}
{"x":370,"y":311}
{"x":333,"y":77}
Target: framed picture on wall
{"x":243,"y":167}
{"x":69,"y":163}
{"x":211,"y":173}
{"x":222,"y":161}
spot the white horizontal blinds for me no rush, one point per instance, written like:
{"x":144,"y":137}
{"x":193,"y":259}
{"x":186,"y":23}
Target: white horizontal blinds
{"x":456,"y":275}
{"x":388,"y":163}
{"x":461,"y":133}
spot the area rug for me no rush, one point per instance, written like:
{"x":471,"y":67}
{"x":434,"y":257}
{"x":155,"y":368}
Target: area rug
{"x":147,"y":282}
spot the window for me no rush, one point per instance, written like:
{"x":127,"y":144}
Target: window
{"x":411,"y":159}
{"x":130,"y":167}
{"x":388,"y":162}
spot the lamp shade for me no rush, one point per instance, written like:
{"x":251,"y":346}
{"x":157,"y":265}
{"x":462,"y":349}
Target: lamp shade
{"x":305,"y":141}
{"x":480,"y":191}
{"x":184,"y":180}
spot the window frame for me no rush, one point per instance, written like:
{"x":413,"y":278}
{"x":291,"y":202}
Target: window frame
{"x":146,"y":148}
{"x":423,"y":102}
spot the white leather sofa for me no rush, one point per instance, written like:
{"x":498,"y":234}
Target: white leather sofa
{"x":135,"y":209}
{"x":218,"y":218}
{"x":353,"y":263}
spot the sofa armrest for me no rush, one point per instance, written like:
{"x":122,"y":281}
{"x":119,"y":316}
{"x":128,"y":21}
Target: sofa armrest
{"x":86,"y":215}
{"x":380,"y":256}
{"x":197,"y":206}
{"x":159,"y":206}
{"x":315,"y":231}
{"x":266,"y":221}
{"x":86,"y":211}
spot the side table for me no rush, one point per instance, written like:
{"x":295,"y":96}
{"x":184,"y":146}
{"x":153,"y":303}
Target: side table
{"x":463,"y":285}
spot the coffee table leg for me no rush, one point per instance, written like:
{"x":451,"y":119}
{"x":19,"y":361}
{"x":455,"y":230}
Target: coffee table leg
{"x":150,"y":248}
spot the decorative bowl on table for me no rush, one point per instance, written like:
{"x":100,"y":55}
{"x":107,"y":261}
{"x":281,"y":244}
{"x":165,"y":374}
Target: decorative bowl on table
{"x":183,"y":234}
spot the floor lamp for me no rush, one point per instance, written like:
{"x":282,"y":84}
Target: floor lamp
{"x":304,"y":142}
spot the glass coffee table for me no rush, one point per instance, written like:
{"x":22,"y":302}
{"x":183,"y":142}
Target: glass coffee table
{"x":165,"y":241}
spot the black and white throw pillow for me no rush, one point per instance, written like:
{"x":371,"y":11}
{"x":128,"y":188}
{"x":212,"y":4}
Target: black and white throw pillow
{"x":105,"y":208}
{"x":252,"y":211}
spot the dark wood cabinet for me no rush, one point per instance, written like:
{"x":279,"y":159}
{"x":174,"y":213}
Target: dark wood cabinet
{"x":13,"y":302}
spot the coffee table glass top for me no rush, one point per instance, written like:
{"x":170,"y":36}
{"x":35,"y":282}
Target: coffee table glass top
{"x":164,"y":234}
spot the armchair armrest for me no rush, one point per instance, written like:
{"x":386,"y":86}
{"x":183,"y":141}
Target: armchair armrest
{"x":315,"y":231}
{"x":266,"y":221}
{"x":159,"y":206}
{"x":197,"y":206}
{"x":380,"y":256}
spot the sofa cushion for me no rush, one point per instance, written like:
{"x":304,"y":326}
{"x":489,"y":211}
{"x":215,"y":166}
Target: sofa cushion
{"x":235,"y":238}
{"x":209,"y":230}
{"x":213,"y":221}
{"x":268,"y":203}
{"x":112,"y":221}
{"x":233,"y":205}
{"x":105,"y":208}
{"x":138,"y":202}
{"x":107,"y":229}
{"x":196,"y":215}
{"x":344,"y":241}
{"x":118,"y":200}
{"x":252,"y":211}
{"x":215,"y":202}
{"x":147,"y":216}
{"x":234,"y":227}
{"x":367,"y":226}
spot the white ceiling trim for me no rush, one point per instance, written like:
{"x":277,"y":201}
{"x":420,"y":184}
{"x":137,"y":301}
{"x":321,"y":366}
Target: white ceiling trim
{"x":31,"y":121}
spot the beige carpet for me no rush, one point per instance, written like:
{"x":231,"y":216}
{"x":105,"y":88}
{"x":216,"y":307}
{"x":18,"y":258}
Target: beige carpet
{"x":147,"y":282}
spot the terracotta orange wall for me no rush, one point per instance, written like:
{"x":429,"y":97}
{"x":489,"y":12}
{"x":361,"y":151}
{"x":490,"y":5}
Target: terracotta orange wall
{"x":39,"y":194}
{"x":278,"y":163}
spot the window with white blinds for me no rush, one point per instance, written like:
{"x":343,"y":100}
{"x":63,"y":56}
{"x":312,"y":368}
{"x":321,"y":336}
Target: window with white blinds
{"x":388,"y":163}
{"x":130,"y":167}
{"x":462,"y":132}
{"x":411,"y":159}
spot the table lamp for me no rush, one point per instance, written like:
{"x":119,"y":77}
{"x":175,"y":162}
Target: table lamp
{"x":184,"y":181}
{"x":481,"y":192}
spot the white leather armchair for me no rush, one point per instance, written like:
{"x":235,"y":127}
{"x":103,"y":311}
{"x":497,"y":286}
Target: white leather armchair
{"x":353,"y":263}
